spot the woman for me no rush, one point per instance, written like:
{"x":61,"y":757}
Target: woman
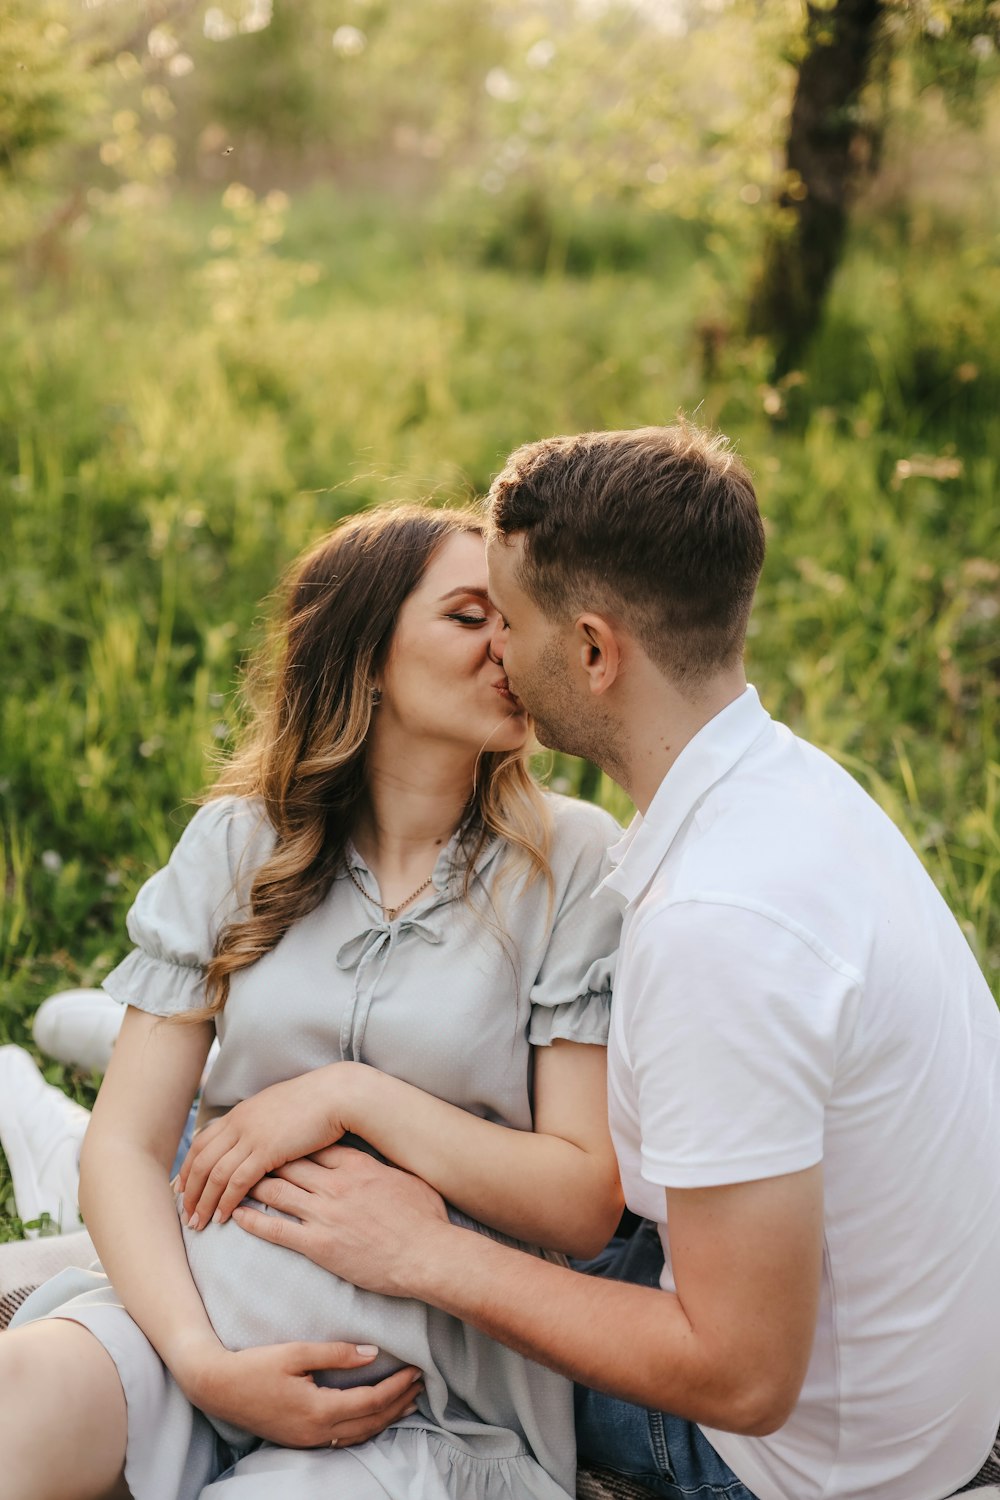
{"x":376,"y":888}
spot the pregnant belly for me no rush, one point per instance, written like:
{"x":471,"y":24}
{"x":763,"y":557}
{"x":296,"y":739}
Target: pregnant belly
{"x":258,"y":1293}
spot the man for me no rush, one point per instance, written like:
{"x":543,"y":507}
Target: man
{"x":803,"y":1065}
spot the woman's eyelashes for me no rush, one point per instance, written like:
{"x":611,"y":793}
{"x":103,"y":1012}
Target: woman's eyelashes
{"x":464,"y":619}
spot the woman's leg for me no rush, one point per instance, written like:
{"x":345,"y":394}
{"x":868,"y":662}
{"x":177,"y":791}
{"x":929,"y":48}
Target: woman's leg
{"x":62,"y":1418}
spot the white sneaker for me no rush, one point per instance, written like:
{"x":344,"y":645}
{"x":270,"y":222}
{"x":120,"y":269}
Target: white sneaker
{"x":41,"y":1132}
{"x":78,"y":1027}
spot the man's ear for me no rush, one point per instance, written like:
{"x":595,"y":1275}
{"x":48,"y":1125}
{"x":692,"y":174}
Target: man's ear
{"x":600,"y":651}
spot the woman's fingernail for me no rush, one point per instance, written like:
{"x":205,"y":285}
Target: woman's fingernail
{"x":217,"y":1216}
{"x":410,"y":1410}
{"x":368,"y":1350}
{"x":194,"y":1221}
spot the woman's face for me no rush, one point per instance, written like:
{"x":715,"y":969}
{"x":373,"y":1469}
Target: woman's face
{"x":439,"y":682}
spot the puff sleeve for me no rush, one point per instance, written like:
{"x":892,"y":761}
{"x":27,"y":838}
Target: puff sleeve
{"x":177,"y":915}
{"x":571,"y":996}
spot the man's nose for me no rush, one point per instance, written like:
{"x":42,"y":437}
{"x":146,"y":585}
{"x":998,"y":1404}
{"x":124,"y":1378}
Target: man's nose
{"x":495,"y":648}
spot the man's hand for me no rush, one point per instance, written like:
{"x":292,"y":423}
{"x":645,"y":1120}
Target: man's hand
{"x":351,"y":1215}
{"x":281,"y":1123}
{"x":270,"y":1392}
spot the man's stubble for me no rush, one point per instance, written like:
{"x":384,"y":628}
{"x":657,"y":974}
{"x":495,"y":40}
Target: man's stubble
{"x":567,"y":721}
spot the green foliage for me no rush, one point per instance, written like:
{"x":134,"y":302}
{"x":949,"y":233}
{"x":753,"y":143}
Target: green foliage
{"x":951,"y":45}
{"x":161,"y":457}
{"x":195,"y":383}
{"x":43,"y":95}
{"x":46,"y":102}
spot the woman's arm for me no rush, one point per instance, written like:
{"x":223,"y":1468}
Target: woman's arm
{"x":132,"y":1218}
{"x":124,"y":1194}
{"x":556,"y":1186}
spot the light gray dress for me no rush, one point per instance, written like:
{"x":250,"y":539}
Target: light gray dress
{"x":451,"y":996}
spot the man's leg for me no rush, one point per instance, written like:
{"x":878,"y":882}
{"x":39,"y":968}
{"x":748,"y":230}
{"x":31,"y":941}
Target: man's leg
{"x":667,"y":1454}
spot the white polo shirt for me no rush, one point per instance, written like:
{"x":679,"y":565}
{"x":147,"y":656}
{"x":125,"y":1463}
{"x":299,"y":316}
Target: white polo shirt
{"x":792,"y":989}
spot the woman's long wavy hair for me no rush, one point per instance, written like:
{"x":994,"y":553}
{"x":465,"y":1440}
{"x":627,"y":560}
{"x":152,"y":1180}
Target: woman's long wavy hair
{"x":304,"y":749}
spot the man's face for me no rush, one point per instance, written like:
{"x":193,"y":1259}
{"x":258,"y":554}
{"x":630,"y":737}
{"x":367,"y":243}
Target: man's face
{"x":539,"y":656}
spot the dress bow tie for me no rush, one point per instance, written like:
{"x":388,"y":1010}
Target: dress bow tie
{"x":368,"y":944}
{"x":368,"y":954}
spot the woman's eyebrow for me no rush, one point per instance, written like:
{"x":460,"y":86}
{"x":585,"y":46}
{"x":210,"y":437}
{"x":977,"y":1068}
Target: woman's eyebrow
{"x":465,"y":588}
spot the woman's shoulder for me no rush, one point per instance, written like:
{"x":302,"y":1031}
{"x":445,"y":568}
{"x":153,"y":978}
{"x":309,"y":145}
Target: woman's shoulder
{"x":230,"y":830}
{"x":579,"y":828}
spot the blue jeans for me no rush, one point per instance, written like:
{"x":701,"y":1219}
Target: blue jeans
{"x":186,"y":1139}
{"x":667,"y":1454}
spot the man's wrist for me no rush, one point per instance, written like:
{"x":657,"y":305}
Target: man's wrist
{"x":431,"y":1267}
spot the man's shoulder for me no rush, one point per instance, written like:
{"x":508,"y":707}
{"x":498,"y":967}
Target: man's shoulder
{"x":787,"y":843}
{"x":791,"y":818}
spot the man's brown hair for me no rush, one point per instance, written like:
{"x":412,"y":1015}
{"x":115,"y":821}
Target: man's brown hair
{"x":657,"y":525}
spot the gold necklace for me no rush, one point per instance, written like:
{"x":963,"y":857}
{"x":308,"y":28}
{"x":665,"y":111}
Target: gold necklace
{"x":389,"y":912}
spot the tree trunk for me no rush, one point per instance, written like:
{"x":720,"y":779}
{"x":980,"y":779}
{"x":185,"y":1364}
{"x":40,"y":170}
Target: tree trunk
{"x":824,"y":158}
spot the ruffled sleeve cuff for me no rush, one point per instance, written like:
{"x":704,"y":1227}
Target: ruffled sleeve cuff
{"x":176,"y":916}
{"x":586,"y":1019}
{"x":156,"y":985}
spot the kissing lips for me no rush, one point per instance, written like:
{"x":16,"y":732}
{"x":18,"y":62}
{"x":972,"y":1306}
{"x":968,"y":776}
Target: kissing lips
{"x":503,"y":688}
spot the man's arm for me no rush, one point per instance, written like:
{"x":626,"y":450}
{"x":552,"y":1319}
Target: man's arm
{"x":730,"y":1349}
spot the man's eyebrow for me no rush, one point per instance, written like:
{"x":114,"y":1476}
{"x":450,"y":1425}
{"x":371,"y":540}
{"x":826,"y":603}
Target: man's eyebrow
{"x":465,"y":588}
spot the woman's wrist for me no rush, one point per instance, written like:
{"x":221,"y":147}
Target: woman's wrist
{"x":355,"y":1087}
{"x":193,"y":1358}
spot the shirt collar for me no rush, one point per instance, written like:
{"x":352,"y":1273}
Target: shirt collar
{"x":705,"y":759}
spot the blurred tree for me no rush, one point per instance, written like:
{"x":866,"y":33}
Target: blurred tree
{"x":833,"y":131}
{"x":825,"y":155}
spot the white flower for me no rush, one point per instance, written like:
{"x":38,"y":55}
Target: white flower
{"x":499,"y":85}
{"x":217,"y":26}
{"x":348,"y":41}
{"x":256,"y":15}
{"x":541,"y":54}
{"x":161,"y":43}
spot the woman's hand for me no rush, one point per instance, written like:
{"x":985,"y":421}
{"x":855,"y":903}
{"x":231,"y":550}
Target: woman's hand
{"x":280,"y":1124}
{"x":270,"y":1391}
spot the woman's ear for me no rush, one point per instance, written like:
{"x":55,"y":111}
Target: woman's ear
{"x":600,"y":651}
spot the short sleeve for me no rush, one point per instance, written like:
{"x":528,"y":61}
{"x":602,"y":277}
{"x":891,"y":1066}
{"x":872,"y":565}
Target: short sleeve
{"x":177,"y":915}
{"x":733,"y":1025}
{"x":571,"y":995}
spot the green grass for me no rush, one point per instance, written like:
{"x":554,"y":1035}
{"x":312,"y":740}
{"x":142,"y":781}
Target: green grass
{"x":170,"y":435}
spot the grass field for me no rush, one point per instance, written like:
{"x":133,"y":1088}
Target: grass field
{"x":194,"y":397}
